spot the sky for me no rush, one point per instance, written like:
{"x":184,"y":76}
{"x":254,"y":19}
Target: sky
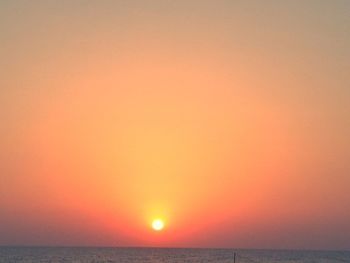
{"x":228,"y":120}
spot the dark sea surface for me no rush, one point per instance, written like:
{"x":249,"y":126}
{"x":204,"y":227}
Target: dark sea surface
{"x":157,"y":255}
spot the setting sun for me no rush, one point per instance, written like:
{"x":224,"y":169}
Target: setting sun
{"x":157,"y":224}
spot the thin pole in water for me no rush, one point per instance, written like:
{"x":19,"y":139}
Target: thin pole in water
{"x":234,"y":257}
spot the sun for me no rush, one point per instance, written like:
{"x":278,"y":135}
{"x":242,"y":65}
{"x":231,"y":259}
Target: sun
{"x":157,"y":224}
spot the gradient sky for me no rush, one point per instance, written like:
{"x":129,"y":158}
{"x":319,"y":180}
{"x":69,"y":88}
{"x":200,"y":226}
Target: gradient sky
{"x":228,"y":119}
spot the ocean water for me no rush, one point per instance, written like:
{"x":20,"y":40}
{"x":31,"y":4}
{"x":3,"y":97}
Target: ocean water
{"x":159,"y":255}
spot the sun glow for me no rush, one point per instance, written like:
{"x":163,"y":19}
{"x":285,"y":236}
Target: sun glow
{"x":157,"y":224}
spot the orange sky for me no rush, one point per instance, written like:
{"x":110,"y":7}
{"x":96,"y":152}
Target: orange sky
{"x":229,"y":120}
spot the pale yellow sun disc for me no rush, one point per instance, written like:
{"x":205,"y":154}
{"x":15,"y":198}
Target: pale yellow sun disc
{"x":157,"y":224}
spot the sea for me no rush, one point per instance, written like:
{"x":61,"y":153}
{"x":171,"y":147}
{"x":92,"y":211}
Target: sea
{"x":166,"y":255}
